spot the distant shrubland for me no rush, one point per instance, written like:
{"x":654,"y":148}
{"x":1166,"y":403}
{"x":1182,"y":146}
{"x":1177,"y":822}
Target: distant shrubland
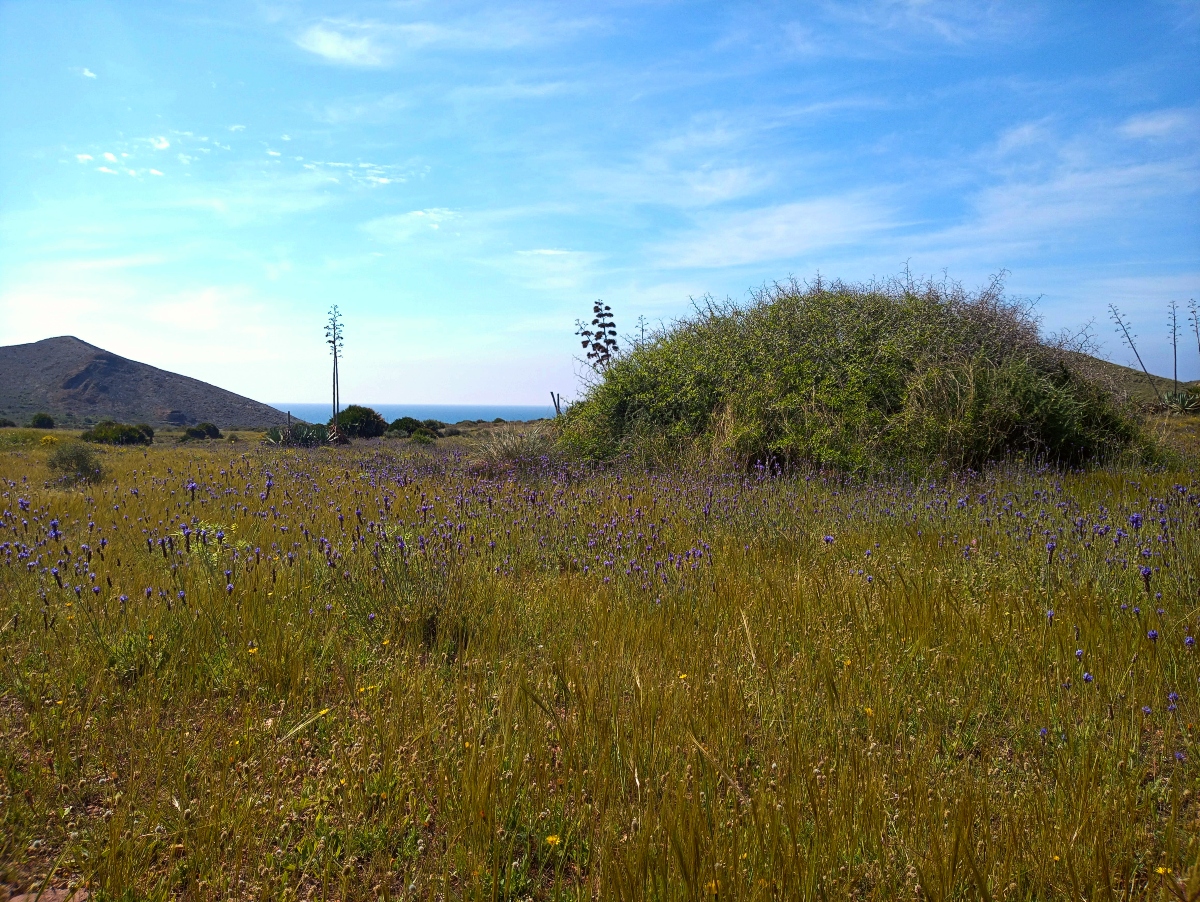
{"x":856,"y":376}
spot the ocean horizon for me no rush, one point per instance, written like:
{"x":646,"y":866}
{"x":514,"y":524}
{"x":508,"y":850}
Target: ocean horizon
{"x":446,"y":413}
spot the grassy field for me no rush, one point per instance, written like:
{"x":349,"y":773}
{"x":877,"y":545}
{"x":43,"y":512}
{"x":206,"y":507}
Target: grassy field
{"x":237,"y":672}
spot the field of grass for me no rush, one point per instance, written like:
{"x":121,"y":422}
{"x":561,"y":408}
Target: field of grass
{"x":238,"y":672}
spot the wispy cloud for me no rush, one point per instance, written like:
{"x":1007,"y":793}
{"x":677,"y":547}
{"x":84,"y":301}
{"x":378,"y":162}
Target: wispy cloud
{"x":342,"y":46}
{"x":1158,"y":124}
{"x":775,"y":233}
{"x":160,"y":143}
{"x":406,"y":226}
{"x":370,"y":43}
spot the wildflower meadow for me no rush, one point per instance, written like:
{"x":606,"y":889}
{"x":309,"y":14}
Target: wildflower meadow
{"x":372,"y":672}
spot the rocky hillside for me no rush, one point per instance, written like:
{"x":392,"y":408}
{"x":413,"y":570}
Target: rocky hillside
{"x":78,"y":383}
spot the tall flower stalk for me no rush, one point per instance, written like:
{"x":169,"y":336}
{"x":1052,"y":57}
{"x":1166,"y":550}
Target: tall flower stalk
{"x":333,"y":338}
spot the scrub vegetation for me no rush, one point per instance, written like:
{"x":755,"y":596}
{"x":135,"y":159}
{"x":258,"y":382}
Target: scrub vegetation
{"x":897,"y":373}
{"x":378,"y":671}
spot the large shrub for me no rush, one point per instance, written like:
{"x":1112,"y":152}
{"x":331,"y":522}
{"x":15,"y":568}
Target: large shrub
{"x":75,"y":463}
{"x":110,"y":433}
{"x":200,"y":431}
{"x":41,"y":421}
{"x":853,"y":376}
{"x":357,"y":421}
{"x":405,"y":425}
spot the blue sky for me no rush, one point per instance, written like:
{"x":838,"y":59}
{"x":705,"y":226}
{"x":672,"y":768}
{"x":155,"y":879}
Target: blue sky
{"x":192,"y":184}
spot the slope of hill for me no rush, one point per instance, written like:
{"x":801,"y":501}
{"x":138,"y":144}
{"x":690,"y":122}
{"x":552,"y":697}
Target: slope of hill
{"x":1134,"y":383}
{"x":78,"y":383}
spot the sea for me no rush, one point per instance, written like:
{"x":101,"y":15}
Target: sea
{"x":446,"y":413}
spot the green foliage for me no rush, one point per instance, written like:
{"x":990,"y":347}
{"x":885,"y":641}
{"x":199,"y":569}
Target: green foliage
{"x":357,"y":421}
{"x":74,"y":463}
{"x":41,"y":421}
{"x":110,"y":433}
{"x":405,"y":425}
{"x":146,"y":430}
{"x":858,"y":377}
{"x":200,"y":431}
{"x":302,"y":435}
{"x":6,"y":423}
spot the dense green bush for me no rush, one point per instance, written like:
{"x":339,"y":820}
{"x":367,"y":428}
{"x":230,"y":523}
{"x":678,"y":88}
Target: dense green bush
{"x":859,"y":377}
{"x":5,"y":422}
{"x":357,"y":421}
{"x":110,"y":433}
{"x":73,"y":463}
{"x":405,"y":425}
{"x":200,"y":431}
{"x":41,"y":421}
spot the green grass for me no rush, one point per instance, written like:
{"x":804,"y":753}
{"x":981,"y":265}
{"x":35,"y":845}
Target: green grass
{"x":762,"y":715}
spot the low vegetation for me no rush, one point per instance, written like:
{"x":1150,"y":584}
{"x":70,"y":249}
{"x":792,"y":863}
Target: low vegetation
{"x":352,"y":673}
{"x":41,"y":421}
{"x":200,"y":432}
{"x":73,"y":464}
{"x":110,"y":433}
{"x":858,"y":377}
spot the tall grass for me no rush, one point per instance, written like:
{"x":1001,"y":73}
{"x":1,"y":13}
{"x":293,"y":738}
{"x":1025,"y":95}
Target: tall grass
{"x":344,"y":675}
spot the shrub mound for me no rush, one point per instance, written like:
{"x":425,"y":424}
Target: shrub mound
{"x":74,"y":463}
{"x":110,"y":433}
{"x":859,"y":377}
{"x":357,"y":421}
{"x":41,"y":421}
{"x":200,"y":431}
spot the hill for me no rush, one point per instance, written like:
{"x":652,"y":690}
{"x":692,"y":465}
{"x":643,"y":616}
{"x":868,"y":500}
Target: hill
{"x":78,"y":383}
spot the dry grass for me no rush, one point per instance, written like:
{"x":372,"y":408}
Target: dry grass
{"x":390,"y":677}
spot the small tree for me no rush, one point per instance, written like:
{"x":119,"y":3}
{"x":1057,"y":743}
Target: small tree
{"x":599,"y":338}
{"x":41,"y":421}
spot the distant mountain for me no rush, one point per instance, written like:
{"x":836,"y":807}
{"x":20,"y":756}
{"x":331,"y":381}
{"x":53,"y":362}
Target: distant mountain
{"x":78,"y":383}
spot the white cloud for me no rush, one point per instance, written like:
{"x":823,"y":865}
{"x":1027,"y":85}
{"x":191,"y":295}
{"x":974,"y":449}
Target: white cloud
{"x":408,"y":225}
{"x":160,"y":143}
{"x":112,"y":158}
{"x":776,"y":233}
{"x":106,"y":169}
{"x":1158,"y":124}
{"x":272,"y":153}
{"x":155,"y":172}
{"x":341,"y":48}
{"x":87,"y":73}
{"x":237,"y":128}
{"x":83,"y":157}
{"x":551,"y":269}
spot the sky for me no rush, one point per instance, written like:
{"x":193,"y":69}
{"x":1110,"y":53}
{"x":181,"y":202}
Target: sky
{"x":194,"y":184}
